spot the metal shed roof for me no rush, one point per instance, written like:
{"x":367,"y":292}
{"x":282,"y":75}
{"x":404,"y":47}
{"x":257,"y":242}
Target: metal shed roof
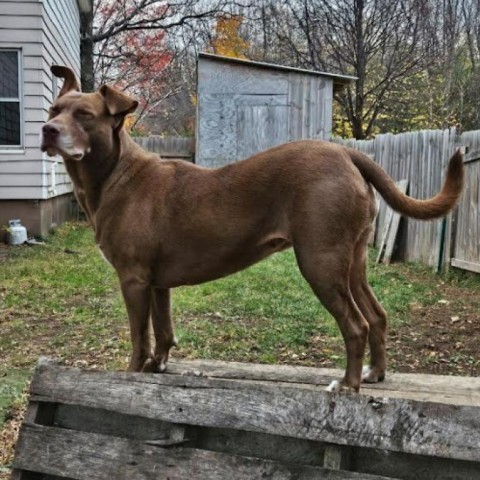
{"x":339,"y":81}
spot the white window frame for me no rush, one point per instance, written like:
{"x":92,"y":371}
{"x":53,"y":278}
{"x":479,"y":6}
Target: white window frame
{"x":19,"y":100}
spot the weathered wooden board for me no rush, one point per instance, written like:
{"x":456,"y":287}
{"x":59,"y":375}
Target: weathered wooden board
{"x":88,"y":456}
{"x":243,"y":109}
{"x":466,"y":254}
{"x":294,"y":411}
{"x":395,"y":223}
{"x":177,"y":147}
{"x":383,"y":242}
{"x":411,"y":467}
{"x":260,"y":127}
{"x":431,"y":388}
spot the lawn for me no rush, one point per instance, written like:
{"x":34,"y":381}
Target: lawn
{"x":61,"y":299}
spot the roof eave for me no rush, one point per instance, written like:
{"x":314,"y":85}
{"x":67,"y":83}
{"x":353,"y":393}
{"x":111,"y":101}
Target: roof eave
{"x":339,"y":81}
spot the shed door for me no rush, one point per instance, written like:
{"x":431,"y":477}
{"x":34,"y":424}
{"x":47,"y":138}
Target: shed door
{"x":262,"y":122}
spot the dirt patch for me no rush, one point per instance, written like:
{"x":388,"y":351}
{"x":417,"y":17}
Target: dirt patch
{"x":438,"y":339}
{"x":4,"y":252}
{"x":441,"y":338}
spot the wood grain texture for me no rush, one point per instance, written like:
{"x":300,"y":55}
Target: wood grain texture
{"x":395,"y":222}
{"x":244,"y":109}
{"x":87,"y":456}
{"x":430,"y":388}
{"x":421,"y":157}
{"x":177,"y":147}
{"x":466,"y":252}
{"x":293,"y":411}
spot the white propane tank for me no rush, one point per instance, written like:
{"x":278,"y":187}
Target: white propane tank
{"x":17,"y":233}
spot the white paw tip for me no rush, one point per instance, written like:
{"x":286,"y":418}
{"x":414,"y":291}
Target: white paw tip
{"x":163,"y":366}
{"x":366,"y":370}
{"x":334,"y":386}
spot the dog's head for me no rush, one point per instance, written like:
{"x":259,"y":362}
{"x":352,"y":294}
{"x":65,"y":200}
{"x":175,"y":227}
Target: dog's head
{"x":79,"y":123}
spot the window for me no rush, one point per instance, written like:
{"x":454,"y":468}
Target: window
{"x":10,"y":104}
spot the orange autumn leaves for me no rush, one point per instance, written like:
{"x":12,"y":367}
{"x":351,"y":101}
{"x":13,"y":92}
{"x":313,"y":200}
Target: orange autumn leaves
{"x":227,"y":39}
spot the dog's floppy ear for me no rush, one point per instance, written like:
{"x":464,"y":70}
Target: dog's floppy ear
{"x":70,"y":81}
{"x":118,"y":104}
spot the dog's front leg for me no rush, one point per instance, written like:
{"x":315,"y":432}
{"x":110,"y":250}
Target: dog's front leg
{"x":137,"y":296}
{"x":162,"y":328}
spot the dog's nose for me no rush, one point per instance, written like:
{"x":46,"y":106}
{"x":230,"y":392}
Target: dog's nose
{"x":50,"y":131}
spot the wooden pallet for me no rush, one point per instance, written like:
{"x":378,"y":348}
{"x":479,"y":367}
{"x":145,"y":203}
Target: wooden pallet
{"x":216,"y":420}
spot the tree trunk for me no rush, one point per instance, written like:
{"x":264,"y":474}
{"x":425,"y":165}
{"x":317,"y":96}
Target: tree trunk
{"x":360,"y":61}
{"x":86,"y":52}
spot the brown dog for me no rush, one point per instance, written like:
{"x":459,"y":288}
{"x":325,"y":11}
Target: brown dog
{"x":162,"y":224}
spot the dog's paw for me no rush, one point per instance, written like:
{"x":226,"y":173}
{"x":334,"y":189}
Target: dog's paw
{"x":152,"y":366}
{"x":335,"y":386}
{"x":370,"y":375}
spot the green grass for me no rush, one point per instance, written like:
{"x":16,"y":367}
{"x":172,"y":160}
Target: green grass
{"x":62,"y":299}
{"x":11,"y":385}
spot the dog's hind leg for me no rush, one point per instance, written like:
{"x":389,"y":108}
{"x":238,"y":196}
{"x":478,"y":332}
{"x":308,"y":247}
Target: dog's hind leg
{"x":162,"y":328}
{"x":327,"y":273}
{"x":137,"y":300}
{"x":372,"y":311}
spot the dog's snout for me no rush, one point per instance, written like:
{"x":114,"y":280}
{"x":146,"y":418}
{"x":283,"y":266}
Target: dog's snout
{"x":51,"y":131}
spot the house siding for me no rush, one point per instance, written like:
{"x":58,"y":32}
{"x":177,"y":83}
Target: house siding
{"x":46,"y":32}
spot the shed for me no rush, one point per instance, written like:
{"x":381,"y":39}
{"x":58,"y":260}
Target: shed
{"x":244,"y":107}
{"x":34,"y":34}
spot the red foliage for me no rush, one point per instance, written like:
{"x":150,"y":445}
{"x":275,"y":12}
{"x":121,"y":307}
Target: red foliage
{"x":132,"y":58}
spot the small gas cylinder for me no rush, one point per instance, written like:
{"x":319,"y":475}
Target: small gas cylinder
{"x":17,"y":233}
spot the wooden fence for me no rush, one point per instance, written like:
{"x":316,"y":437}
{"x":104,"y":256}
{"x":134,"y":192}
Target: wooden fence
{"x":466,"y":238}
{"x":168,"y":147}
{"x":421,"y":158}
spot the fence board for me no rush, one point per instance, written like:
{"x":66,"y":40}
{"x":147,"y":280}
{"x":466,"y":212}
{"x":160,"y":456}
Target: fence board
{"x":421,"y":158}
{"x":179,"y":147}
{"x":466,"y":252}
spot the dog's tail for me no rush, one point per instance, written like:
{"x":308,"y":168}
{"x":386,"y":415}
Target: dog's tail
{"x":434,"y":207}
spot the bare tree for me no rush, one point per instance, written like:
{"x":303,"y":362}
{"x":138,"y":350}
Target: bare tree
{"x":110,"y":19}
{"x":378,"y":41}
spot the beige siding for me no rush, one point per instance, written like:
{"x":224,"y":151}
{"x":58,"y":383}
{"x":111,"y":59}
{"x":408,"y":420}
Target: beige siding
{"x":47,"y":32}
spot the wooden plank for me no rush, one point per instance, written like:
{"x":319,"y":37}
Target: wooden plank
{"x":470,"y":266}
{"x":260,"y":127}
{"x":336,"y":457}
{"x":412,"y":467}
{"x":386,"y":229}
{"x":472,"y":156}
{"x":167,"y":146}
{"x":433,"y":388}
{"x":87,"y":456}
{"x":224,"y":78}
{"x":75,"y":417}
{"x":395,"y":223}
{"x":217,"y":129}
{"x":261,"y":445}
{"x":308,"y":413}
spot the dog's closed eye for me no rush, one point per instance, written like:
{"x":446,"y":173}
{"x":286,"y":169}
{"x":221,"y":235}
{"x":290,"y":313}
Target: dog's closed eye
{"x":86,"y":114}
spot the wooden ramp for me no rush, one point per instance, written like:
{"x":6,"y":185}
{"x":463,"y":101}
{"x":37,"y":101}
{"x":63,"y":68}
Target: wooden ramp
{"x":207,"y":420}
